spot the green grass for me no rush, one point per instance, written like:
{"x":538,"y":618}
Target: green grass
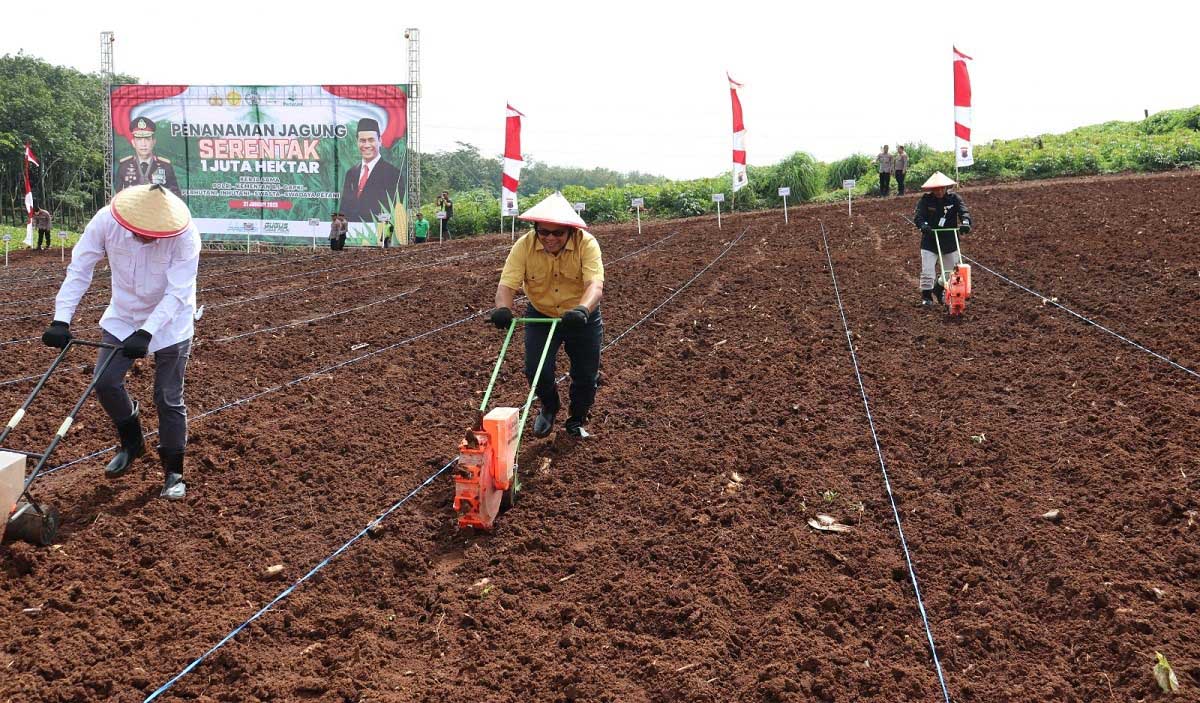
{"x":18,"y":237}
{"x":1164,"y":141}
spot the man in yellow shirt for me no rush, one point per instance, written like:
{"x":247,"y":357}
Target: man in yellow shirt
{"x":558,"y":264}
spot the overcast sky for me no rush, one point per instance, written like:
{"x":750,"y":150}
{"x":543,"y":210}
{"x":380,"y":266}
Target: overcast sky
{"x":641,"y":85}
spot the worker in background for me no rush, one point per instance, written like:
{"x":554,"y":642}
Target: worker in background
{"x":939,"y":209}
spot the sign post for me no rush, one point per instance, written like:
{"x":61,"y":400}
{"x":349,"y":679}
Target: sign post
{"x":638,"y":204}
{"x":508,"y":207}
{"x":441,"y":217}
{"x":849,"y":184}
{"x":314,"y":223}
{"x":7,"y":239}
{"x":785,"y":191}
{"x":718,"y":198}
{"x":62,"y":245}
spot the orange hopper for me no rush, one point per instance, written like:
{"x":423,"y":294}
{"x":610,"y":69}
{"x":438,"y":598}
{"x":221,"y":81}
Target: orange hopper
{"x":959,"y":289}
{"x":486,"y":462}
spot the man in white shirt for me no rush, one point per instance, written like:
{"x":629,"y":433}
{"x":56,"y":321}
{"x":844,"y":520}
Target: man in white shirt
{"x":153,"y":250}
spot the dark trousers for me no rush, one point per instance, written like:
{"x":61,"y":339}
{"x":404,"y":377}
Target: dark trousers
{"x":900,"y":181}
{"x":43,"y":233}
{"x":338,"y":244}
{"x":170,"y":363}
{"x":885,"y":183}
{"x":583,"y":349}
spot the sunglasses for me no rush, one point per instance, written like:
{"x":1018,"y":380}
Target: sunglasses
{"x":552,"y":232}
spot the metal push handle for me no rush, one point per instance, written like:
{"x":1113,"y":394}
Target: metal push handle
{"x":44,"y":457}
{"x":945,"y":277}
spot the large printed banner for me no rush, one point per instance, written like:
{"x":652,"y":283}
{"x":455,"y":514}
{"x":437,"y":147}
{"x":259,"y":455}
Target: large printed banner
{"x":266,"y":161}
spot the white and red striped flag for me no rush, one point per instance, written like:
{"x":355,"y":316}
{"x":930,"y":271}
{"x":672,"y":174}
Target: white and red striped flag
{"x":739,"y":137}
{"x":963,"y":154}
{"x":512,"y":162}
{"x":29,"y":159}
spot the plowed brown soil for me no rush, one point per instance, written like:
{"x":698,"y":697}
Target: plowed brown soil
{"x":668,"y":558}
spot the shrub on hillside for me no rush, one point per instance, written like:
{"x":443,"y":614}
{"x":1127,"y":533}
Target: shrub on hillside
{"x":854,"y":166}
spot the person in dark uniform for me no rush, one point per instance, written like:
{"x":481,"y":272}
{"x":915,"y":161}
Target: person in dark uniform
{"x":41,"y":220}
{"x":446,"y":205}
{"x":373,"y":185}
{"x":145,"y":167}
{"x":939,"y":209}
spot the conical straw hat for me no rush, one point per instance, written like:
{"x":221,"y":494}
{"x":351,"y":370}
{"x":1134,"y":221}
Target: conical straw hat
{"x":938,"y":180}
{"x":555,"y":210}
{"x":151,"y":211}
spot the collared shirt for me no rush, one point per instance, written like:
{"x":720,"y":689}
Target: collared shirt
{"x":369,"y":165}
{"x":41,"y":219}
{"x":885,"y":163}
{"x":421,"y":228}
{"x":153,"y":284}
{"x":901,"y":162}
{"x":554,"y":284}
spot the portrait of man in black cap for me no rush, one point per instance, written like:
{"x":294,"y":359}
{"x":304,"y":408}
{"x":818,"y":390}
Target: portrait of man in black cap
{"x":145,"y":167}
{"x":372,"y":181}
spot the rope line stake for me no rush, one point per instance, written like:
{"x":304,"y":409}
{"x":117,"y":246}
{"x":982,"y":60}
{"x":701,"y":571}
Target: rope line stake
{"x":912,"y":573}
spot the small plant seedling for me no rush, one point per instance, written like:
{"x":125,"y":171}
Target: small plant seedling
{"x":1165,"y":675}
{"x":979,"y":438}
{"x":829,"y":496}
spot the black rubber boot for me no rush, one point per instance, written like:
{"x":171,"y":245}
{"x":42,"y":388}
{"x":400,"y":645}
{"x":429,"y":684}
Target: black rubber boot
{"x":939,"y":293}
{"x":173,"y":486}
{"x":132,"y":445}
{"x":543,"y":423}
{"x":926,"y":297}
{"x":574,"y":425}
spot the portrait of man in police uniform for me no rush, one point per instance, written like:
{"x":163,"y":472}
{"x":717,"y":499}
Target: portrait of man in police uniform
{"x":145,"y":167}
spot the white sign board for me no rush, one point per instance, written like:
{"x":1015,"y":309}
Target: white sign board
{"x":580,"y":207}
{"x":314,"y":222}
{"x":8,"y":237}
{"x":62,"y":235}
{"x":849,"y":183}
{"x":385,"y":217}
{"x":784,"y":191}
{"x":638,"y":202}
{"x":718,"y":197}
{"x":441,"y":214}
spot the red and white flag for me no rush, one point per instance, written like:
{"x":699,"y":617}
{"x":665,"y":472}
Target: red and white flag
{"x":739,"y":137}
{"x":29,"y":159}
{"x":512,"y":162}
{"x":963,"y":154}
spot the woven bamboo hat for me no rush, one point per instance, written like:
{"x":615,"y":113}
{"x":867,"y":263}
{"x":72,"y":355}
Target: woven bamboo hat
{"x":555,"y":210}
{"x":151,"y":211}
{"x":938,"y":180}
